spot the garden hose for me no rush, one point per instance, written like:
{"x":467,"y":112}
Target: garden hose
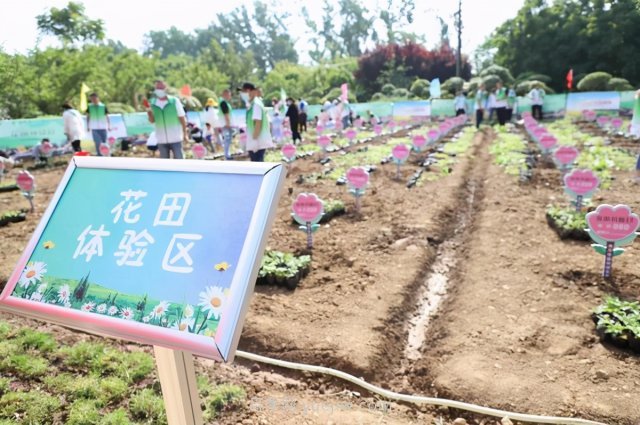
{"x":417,"y":399}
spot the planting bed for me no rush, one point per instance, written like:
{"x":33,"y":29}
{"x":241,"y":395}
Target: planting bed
{"x":514,"y":330}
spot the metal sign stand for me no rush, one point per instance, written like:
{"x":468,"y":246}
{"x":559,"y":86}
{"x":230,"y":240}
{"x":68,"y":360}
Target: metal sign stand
{"x":179,"y":390}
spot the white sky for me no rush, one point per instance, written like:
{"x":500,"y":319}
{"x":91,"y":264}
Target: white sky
{"x":129,"y":20}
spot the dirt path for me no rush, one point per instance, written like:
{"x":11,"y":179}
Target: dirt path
{"x":516,"y":332}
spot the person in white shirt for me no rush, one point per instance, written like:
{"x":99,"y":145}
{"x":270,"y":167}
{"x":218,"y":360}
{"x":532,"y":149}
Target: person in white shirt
{"x":73,"y":126}
{"x":491,"y":104}
{"x":277,"y":122}
{"x":460,"y":103}
{"x":258,"y":132}
{"x":537,"y":100}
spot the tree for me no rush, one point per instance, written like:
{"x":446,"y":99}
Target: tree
{"x":394,"y":16}
{"x":70,"y":24}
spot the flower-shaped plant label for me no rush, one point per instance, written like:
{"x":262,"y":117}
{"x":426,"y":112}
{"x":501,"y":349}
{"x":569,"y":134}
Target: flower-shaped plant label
{"x":111,"y":141}
{"x":613,"y":224}
{"x":377,"y":128}
{"x":46,"y":148}
{"x":391,"y":125}
{"x":444,"y":128}
{"x":198,"y":151}
{"x":307,"y":208}
{"x":104,"y":149}
{"x":400,"y":153}
{"x":548,"y":142}
{"x":357,"y":177}
{"x":289,"y":151}
{"x":350,"y":134}
{"x":338,"y":125}
{"x":320,"y":129}
{"x":603,"y":120}
{"x":419,"y":142}
{"x":358,"y":123}
{"x":25,"y":181}
{"x":581,"y":182}
{"x":433,"y":135}
{"x":566,"y":155}
{"x":616,"y":124}
{"x":539,"y":132}
{"x":324,"y":141}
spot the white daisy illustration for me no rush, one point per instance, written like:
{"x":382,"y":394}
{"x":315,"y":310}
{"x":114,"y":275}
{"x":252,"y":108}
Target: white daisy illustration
{"x":88,"y":306}
{"x":184,"y":325}
{"x":159,"y":310}
{"x":113,"y":310}
{"x":102,"y":308}
{"x":126,"y":313}
{"x":146,"y":319}
{"x":42,"y":287}
{"x":211,"y":301}
{"x":32,"y":273}
{"x":36,"y":296}
{"x":63,"y":294}
{"x":188,"y":311}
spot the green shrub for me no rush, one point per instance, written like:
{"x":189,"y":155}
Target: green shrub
{"x":5,"y":329}
{"x":30,"y":339}
{"x":501,"y":72}
{"x":224,"y":397}
{"x":117,"y":417}
{"x":490,"y":81}
{"x":596,"y":81}
{"x":203,"y":93}
{"x":25,"y":365}
{"x":74,"y":387}
{"x":388,"y":89}
{"x":377,"y":97}
{"x":9,"y":348}
{"x":401,"y":93}
{"x":146,"y":405}
{"x":619,"y":84}
{"x":84,"y":412}
{"x":81,"y":354}
{"x":113,"y":389}
{"x":135,"y":366}
{"x":34,"y":407}
{"x":533,"y":76}
{"x":453,"y":85}
{"x":4,"y":386}
{"x":420,"y":88}
{"x":525,"y":87}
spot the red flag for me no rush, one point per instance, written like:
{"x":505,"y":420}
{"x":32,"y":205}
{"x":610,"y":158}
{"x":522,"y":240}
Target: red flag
{"x":570,"y":79}
{"x":186,"y":90}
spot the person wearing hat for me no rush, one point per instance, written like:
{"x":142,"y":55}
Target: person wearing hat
{"x":169,"y":118}
{"x":258,"y":133}
{"x":97,"y":121}
{"x":73,"y":126}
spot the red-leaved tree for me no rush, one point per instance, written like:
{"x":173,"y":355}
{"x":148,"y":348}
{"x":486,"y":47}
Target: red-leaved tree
{"x":395,"y":63}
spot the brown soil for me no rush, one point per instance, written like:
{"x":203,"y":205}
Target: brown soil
{"x":514,"y":333}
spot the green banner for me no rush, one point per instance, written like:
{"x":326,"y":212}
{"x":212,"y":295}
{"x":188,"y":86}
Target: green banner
{"x":442,"y":108}
{"x":627,"y":100}
{"x":138,"y":123}
{"x":29,"y":132}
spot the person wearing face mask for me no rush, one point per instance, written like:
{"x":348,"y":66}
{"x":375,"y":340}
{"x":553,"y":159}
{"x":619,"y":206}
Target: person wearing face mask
{"x":258,"y":132}
{"x":294,"y":119}
{"x":169,"y":118}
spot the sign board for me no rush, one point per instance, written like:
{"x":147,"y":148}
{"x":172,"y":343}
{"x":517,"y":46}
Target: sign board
{"x":117,"y":126}
{"x":160,"y":264}
{"x":577,"y":102}
{"x":409,"y":109}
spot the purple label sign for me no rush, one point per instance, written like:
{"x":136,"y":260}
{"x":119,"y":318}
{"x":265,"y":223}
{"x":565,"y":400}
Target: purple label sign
{"x":565,"y":155}
{"x":357,"y":177}
{"x":289,"y":151}
{"x":581,"y":182}
{"x":25,"y":181}
{"x":377,"y":129}
{"x":548,"y":142}
{"x":350,"y":134}
{"x":104,"y":149}
{"x":613,"y":224}
{"x":198,"y":151}
{"x":400,"y":153}
{"x":308,"y":208}
{"x":419,"y":142}
{"x":324,"y":141}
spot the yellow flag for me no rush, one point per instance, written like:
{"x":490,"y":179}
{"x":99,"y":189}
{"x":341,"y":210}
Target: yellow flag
{"x":84,"y":89}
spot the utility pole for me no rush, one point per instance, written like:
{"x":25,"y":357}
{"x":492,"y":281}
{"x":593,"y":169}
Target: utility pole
{"x":458,"y":24}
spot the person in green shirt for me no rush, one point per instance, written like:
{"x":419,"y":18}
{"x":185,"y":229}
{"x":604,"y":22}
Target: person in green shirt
{"x":258,"y":132}
{"x":168,"y":116}
{"x":98,"y":121}
{"x":512,"y":101}
{"x":501,"y":103}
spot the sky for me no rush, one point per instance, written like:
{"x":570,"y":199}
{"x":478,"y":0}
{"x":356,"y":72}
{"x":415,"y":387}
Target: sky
{"x":128,"y":20}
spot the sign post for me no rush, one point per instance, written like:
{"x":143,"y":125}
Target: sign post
{"x":580,"y":185}
{"x":324,"y":142}
{"x":163,"y":265}
{"x":400,"y":154}
{"x":358,"y":179}
{"x":308,"y":211}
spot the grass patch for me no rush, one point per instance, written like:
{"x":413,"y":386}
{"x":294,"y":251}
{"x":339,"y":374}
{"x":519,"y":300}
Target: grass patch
{"x":507,"y":151}
{"x":222,"y":398}
{"x":28,"y":366}
{"x":117,"y":417}
{"x":148,"y":406}
{"x":30,"y":339}
{"x":84,"y":412}
{"x":34,"y":407}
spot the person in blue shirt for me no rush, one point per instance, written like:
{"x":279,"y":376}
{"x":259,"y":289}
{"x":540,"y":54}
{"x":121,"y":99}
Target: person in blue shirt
{"x":302,"y":108}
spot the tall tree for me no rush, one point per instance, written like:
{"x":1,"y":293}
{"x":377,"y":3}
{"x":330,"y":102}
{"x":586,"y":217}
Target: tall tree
{"x":70,"y":24}
{"x":395,"y":14}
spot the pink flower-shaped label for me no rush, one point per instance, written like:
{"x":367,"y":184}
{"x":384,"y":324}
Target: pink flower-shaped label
{"x":419,"y":141}
{"x":338,"y":125}
{"x":373,"y":121}
{"x":324,"y":141}
{"x":289,"y":151}
{"x":581,"y":182}
{"x":589,"y":115}
{"x":357,"y":177}
{"x":357,"y":123}
{"x":198,"y":151}
{"x":350,"y":134}
{"x":25,"y":181}
{"x":538,"y":132}
{"x":391,"y":124}
{"x":433,"y":134}
{"x":377,"y":129}
{"x":104,"y":149}
{"x":400,"y":152}
{"x":603,"y":120}
{"x":548,"y":141}
{"x":308,"y":207}
{"x":111,"y":141}
{"x":320,"y":129}
{"x":444,"y":128}
{"x":565,"y":155}
{"x":613,"y":223}
{"x":616,"y":123}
